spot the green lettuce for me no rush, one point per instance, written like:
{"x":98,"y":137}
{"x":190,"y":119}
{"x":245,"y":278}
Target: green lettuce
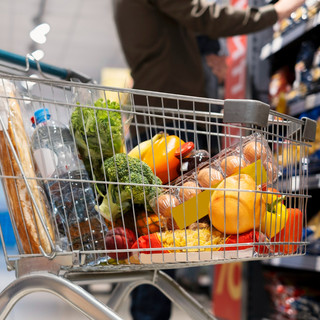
{"x":98,"y":134}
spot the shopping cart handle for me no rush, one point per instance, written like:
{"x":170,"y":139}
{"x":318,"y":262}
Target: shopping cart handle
{"x":29,"y":62}
{"x":71,"y":75}
{"x":245,"y":111}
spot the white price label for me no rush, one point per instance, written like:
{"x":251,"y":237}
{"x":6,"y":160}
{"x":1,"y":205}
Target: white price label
{"x":265,"y":52}
{"x":295,"y":183}
{"x":277,"y":44}
{"x":276,"y":261}
{"x":310,"y":101}
{"x":317,"y":265}
{"x":46,"y":161}
{"x":318,"y":179}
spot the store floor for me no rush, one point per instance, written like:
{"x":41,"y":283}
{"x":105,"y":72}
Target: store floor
{"x":39,"y":306}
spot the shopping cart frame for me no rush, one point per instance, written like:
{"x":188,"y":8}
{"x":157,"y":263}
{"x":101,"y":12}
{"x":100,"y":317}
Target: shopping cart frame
{"x":36,"y":273}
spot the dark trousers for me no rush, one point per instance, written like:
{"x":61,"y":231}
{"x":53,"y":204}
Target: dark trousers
{"x":149,"y":303}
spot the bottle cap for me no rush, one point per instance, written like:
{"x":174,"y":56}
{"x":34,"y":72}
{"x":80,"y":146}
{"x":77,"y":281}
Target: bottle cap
{"x":33,"y":121}
{"x":42,"y":115}
{"x":184,"y":150}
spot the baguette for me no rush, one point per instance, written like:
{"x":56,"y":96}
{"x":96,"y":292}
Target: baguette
{"x":29,"y":227}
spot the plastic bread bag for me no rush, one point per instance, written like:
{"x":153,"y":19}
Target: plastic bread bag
{"x":28,"y":223}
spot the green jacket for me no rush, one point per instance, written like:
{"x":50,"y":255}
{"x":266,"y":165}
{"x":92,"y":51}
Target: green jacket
{"x":158,"y":39}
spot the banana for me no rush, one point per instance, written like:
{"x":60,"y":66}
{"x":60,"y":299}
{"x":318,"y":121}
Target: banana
{"x":140,"y":150}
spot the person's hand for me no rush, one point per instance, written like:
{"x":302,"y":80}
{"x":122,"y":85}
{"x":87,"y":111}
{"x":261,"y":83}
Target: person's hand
{"x":218,"y":66}
{"x":285,"y":7}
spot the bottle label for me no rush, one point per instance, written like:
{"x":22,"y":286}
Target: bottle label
{"x":46,"y":161}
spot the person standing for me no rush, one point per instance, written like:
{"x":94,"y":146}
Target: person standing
{"x":158,"y":38}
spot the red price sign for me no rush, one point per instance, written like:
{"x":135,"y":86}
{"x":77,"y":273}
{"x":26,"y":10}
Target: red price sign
{"x":227,"y":291}
{"x":235,"y":84}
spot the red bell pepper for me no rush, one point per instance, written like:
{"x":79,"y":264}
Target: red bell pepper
{"x":292,"y":232}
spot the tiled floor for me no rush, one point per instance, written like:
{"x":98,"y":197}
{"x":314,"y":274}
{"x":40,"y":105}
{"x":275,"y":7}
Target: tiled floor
{"x":39,"y":306}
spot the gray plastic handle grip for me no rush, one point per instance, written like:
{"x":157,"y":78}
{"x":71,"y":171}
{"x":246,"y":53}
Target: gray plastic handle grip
{"x":243,"y":111}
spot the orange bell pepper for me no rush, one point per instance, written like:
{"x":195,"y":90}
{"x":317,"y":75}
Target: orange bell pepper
{"x":161,"y":159}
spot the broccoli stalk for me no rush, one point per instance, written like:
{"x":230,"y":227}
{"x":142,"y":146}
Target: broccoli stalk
{"x":138,"y":185}
{"x":112,"y":205}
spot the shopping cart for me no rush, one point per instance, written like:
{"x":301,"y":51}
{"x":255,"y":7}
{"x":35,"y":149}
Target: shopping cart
{"x":176,"y":181}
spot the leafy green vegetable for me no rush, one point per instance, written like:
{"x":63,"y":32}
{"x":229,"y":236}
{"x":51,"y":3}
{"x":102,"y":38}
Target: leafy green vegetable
{"x":90,"y":125}
{"x":125,"y":169}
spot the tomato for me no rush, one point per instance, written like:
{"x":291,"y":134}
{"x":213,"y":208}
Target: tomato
{"x":292,"y":232}
{"x":161,"y":159}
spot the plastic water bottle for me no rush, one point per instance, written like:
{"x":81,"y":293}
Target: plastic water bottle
{"x":73,"y":202}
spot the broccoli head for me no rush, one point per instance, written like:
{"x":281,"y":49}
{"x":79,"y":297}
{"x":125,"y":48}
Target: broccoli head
{"x":135,"y":183}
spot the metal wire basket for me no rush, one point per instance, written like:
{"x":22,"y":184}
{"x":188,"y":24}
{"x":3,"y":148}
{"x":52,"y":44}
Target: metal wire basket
{"x":159,"y":180}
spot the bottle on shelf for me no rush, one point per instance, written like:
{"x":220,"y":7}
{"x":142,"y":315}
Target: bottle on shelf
{"x":71,"y":197}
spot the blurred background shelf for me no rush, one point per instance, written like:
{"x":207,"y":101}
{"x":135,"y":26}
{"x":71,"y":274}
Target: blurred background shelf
{"x":313,"y":182}
{"x":291,"y":35}
{"x":310,"y":102}
{"x":307,"y":262}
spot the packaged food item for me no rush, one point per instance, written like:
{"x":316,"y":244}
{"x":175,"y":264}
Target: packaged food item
{"x":189,"y":190}
{"x":30,"y":229}
{"x":209,"y":177}
{"x":293,"y":295}
{"x":287,"y":25}
{"x":280,"y":84}
{"x":254,"y":150}
{"x":163,"y":206}
{"x":232,"y":164}
{"x":315,"y":72}
{"x":189,"y":157}
{"x":313,"y":7}
{"x":300,"y":15}
{"x":304,"y":64}
{"x":73,"y":202}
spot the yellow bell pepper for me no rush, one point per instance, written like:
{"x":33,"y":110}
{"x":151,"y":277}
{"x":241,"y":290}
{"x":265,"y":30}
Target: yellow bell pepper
{"x":275,"y":220}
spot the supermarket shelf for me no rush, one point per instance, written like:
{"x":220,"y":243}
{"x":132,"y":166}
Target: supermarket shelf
{"x":311,"y":101}
{"x":301,"y":182}
{"x":280,"y":42}
{"x":307,"y":262}
{"x":313,"y":182}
